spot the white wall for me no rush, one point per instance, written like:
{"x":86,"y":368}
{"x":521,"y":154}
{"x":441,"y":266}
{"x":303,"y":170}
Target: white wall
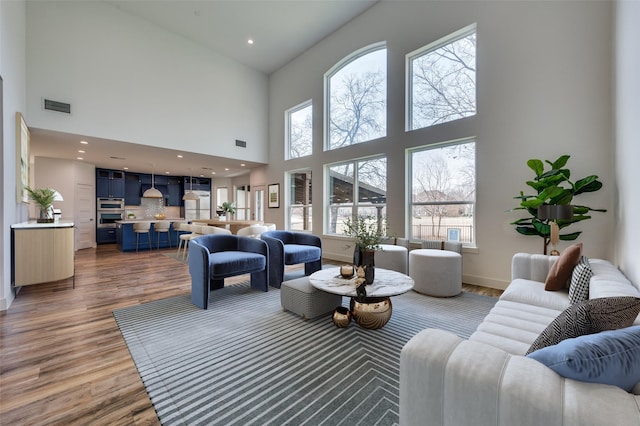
{"x":627,"y":129}
{"x":12,"y":70}
{"x":63,"y":176}
{"x":544,"y":89}
{"x":129,"y":80}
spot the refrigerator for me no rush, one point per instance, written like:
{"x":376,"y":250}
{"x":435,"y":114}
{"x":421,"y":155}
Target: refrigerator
{"x":198,"y":209}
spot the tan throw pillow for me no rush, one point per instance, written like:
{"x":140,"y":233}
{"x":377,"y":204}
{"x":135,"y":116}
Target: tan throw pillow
{"x":561,"y":270}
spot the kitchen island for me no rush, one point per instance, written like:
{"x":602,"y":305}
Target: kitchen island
{"x":126,"y":237}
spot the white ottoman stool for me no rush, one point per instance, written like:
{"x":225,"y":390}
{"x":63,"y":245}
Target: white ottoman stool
{"x":436,"y":272}
{"x":392,"y":257}
{"x":300,"y":297}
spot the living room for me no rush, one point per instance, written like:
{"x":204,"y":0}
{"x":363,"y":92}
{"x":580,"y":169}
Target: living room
{"x":553,"y":78}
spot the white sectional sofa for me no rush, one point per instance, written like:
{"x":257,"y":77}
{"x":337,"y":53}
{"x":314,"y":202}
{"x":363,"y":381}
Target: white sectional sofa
{"x":487,"y":380}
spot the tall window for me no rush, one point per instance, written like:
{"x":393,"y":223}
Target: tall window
{"x":356,"y":98}
{"x":300,"y":201}
{"x":442,"y":78}
{"x":355,"y":188}
{"x":299,"y":134}
{"x":443,"y":188}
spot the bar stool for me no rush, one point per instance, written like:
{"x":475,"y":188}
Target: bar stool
{"x":162,"y":227}
{"x":142,"y":228}
{"x":196,"y":231}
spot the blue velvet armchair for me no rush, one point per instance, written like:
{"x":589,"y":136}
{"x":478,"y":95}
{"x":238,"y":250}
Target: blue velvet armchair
{"x":214,"y":257}
{"x":292,"y":248}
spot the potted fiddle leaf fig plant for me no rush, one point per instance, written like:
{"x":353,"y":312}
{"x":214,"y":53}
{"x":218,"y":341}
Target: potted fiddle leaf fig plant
{"x":43,"y":197}
{"x":554,"y":191}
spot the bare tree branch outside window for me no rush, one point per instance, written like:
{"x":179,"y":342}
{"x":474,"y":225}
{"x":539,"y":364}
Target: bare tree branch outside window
{"x":358,"y":101}
{"x":443,"y":191}
{"x":444,"y":83}
{"x":301,"y":132}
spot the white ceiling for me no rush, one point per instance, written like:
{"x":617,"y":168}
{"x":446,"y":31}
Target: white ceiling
{"x":281,"y":30}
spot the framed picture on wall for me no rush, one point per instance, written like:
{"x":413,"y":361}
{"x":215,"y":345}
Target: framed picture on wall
{"x":453,"y":234}
{"x":274,"y":196}
{"x":22,"y":159}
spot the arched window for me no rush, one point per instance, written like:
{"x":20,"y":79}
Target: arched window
{"x":356,"y":98}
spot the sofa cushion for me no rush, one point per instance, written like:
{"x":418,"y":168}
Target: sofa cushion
{"x":300,"y":253}
{"x":560,"y":272}
{"x":513,"y":326}
{"x":588,"y":317}
{"x":532,"y":292}
{"x":609,"y":357}
{"x":229,"y":263}
{"x":580,"y":278}
{"x":608,"y":281}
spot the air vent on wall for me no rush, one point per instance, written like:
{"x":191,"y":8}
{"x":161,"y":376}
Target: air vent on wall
{"x":242,"y":144}
{"x":57,"y":106}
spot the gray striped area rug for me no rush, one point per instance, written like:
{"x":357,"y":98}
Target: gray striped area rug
{"x":246,"y":362}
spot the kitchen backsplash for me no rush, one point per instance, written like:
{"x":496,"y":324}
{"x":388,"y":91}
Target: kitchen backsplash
{"x":142,"y":212}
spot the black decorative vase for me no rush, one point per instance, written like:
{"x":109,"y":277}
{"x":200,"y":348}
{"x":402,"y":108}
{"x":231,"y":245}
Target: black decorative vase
{"x":365,"y":258}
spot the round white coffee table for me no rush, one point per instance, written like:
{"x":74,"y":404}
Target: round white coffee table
{"x":374,"y":310}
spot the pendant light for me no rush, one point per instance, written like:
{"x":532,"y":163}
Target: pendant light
{"x":152,"y":192}
{"x":190,"y":195}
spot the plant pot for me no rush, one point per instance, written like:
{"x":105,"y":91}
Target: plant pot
{"x":46,"y":216}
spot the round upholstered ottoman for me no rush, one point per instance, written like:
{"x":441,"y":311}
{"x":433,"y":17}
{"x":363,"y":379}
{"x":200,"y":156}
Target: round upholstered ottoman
{"x":436,"y":272}
{"x":392,"y":257}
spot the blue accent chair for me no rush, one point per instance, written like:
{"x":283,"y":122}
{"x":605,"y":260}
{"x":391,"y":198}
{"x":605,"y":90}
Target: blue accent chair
{"x":214,"y":257}
{"x":292,"y":248}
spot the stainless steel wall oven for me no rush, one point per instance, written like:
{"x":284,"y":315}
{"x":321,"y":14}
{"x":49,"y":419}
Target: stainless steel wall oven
{"x":109,"y":210}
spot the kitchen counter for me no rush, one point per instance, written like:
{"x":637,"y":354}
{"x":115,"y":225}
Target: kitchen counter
{"x":152,"y":220}
{"x":32,"y":224}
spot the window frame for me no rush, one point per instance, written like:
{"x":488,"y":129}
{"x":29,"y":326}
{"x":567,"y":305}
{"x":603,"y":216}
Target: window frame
{"x":409,"y":187}
{"x":347,"y":60}
{"x":355,"y":205}
{"x":289,"y":202}
{"x":424,"y":50}
{"x":287,"y":127}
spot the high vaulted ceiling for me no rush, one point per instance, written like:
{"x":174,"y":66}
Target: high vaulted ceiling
{"x":280,"y":29}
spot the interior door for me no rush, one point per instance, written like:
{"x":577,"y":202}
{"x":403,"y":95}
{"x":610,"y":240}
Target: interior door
{"x":85,"y":217}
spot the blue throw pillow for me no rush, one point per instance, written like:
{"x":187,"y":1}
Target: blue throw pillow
{"x":608,"y":357}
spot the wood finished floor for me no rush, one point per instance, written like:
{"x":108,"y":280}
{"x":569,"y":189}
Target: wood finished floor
{"x":62,"y":358}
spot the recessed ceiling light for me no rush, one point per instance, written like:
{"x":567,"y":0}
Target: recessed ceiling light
{"x":79,"y":158}
{"x":179,"y":156}
{"x":226,"y":169}
{"x":167,"y":173}
{"x":213,"y":173}
{"x":81,"y":151}
{"x":126,"y":168}
{"x":250,"y":41}
{"x":84,"y":142}
{"x":242,"y":165}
